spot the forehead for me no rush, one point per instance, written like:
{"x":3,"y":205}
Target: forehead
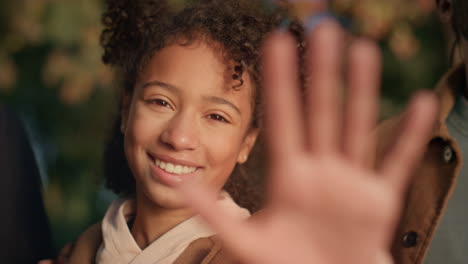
{"x":199,"y":66}
{"x":196,"y":60}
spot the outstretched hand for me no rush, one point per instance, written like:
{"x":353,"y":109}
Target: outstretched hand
{"x":325,"y":202}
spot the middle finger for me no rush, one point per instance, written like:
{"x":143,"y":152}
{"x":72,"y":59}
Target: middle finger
{"x":323,"y":62}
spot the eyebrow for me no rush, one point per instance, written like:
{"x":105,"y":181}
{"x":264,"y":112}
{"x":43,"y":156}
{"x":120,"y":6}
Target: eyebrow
{"x":214,"y":99}
{"x":219,"y":100}
{"x":160,"y":84}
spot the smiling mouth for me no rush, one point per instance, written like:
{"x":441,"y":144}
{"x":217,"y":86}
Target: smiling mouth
{"x":174,"y":168}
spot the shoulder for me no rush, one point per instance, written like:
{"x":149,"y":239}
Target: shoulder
{"x":85,"y":247}
{"x":206,"y":250}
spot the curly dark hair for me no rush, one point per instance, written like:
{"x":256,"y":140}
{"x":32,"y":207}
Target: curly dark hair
{"x":460,"y":18}
{"x":135,"y":29}
{"x":459,"y":22}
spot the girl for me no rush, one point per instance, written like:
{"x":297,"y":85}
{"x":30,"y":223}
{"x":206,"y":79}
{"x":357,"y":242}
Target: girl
{"x":190,"y":114}
{"x":189,"y":110}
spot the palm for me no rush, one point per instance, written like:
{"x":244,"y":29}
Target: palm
{"x":322,"y":202}
{"x":325,"y":203}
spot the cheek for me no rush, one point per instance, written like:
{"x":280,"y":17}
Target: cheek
{"x":143,"y":126}
{"x":141,"y":132}
{"x":222,"y":152}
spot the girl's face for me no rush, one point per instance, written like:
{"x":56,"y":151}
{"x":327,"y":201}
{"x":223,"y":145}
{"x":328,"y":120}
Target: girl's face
{"x":185,"y":121}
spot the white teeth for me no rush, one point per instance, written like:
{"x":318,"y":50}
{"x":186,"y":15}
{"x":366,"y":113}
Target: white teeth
{"x":186,"y":169}
{"x":178,"y":169}
{"x":169,"y":167}
{"x":172,"y":168}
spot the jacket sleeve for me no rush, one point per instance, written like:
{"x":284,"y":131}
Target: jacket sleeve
{"x":85,"y":248}
{"x":23,"y":214}
{"x":205,"y":251}
{"x":218,"y":255}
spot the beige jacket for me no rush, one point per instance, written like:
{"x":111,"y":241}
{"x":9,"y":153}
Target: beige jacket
{"x":433,"y":181}
{"x":191,"y":241}
{"x":201,"y":251}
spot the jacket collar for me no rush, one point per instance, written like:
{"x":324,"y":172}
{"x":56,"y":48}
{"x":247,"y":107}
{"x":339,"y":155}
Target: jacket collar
{"x":119,"y":246}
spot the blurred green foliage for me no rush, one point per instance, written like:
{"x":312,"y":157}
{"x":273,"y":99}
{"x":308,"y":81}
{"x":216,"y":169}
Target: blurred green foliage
{"x":50,"y":72}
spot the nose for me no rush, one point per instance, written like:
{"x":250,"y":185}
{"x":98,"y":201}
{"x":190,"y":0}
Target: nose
{"x":181,"y":133}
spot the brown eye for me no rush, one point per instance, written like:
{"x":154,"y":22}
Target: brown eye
{"x":159,"y":102}
{"x":219,"y":118}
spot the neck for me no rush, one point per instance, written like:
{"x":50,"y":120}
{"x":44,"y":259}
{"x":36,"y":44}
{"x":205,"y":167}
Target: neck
{"x":152,"y":221}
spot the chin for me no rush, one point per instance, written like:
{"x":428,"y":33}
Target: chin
{"x":165,"y":197}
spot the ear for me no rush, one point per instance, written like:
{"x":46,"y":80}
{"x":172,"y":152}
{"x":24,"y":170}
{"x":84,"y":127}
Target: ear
{"x":444,"y":8}
{"x":124,"y":112}
{"x":247,"y":145}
